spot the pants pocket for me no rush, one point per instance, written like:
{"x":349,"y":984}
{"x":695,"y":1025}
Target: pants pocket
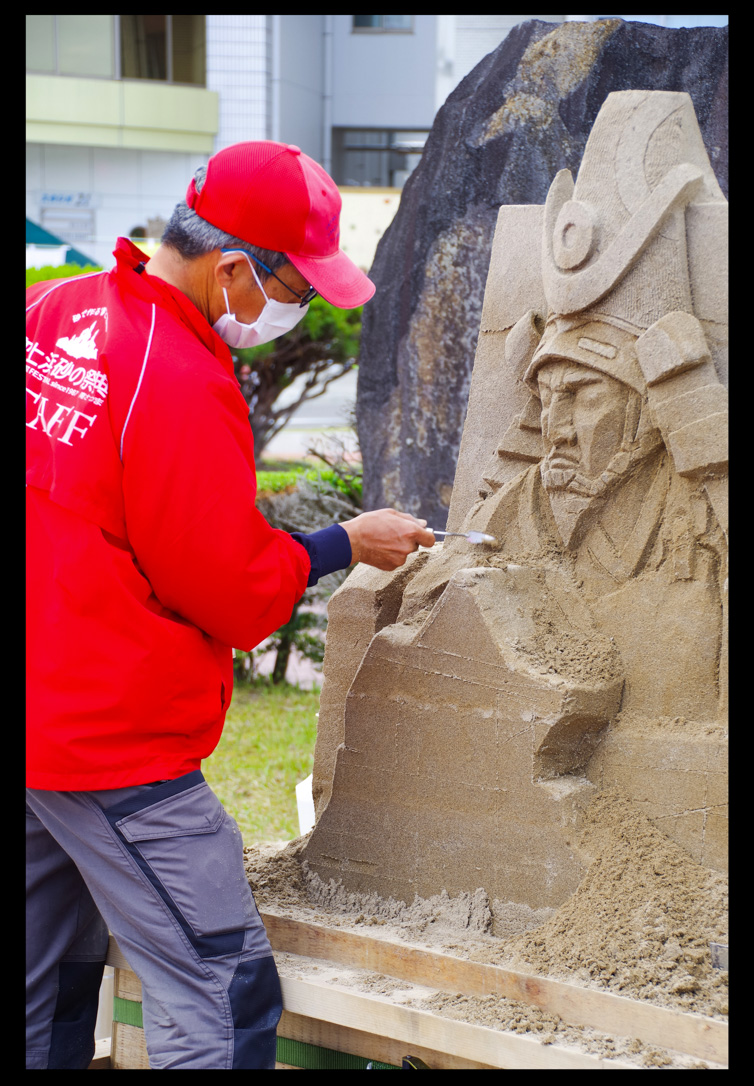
{"x":194,"y":850}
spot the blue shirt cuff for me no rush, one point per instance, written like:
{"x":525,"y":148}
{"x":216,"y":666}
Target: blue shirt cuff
{"x":329,"y":549}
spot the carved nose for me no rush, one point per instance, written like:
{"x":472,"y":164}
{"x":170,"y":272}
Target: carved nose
{"x":560,"y":429}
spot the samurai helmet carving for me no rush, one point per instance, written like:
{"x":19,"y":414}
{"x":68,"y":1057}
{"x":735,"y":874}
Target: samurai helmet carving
{"x":614,"y":260}
{"x":614,"y":245}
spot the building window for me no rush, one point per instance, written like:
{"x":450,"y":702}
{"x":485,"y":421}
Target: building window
{"x":380,"y":158}
{"x":40,"y":43}
{"x":71,"y":45}
{"x":165,"y":47}
{"x":387,"y":24}
{"x":143,"y":47}
{"x":170,"y":48}
{"x":189,"y":49}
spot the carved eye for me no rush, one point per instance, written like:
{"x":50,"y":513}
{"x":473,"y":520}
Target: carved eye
{"x":590,"y":394}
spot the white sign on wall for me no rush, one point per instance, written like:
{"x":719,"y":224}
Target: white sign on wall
{"x":67,"y":199}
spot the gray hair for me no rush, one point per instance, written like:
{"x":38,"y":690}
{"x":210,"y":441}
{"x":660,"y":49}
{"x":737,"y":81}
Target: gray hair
{"x":193,"y":236}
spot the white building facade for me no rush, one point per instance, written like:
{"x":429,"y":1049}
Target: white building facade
{"x":121,"y":110}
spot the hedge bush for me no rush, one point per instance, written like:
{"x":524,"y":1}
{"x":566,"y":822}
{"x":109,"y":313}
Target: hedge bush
{"x":39,"y":275}
{"x":275,"y":482}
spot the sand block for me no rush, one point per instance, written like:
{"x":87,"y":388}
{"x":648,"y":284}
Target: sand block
{"x":460,"y":734}
{"x":368,"y":600}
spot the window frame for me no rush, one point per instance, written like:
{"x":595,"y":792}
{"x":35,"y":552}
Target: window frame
{"x":395,"y":144}
{"x":117,"y":65}
{"x":382,"y":29}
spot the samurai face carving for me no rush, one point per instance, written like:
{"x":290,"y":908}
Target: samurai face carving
{"x":595,"y":430}
{"x":583,"y":423}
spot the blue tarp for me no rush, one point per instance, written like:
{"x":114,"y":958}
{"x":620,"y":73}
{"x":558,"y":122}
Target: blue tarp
{"x":37,"y":235}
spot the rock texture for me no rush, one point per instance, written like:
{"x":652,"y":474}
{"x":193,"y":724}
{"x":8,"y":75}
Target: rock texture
{"x":521,"y":115}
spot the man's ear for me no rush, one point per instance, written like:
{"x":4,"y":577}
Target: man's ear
{"x":225,"y":268}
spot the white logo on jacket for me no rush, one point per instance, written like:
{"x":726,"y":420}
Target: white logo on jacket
{"x":60,"y":415}
{"x":81,"y":346}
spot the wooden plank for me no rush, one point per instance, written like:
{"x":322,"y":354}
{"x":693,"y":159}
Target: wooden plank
{"x":129,"y":1048}
{"x":129,"y":1051}
{"x":115,"y":956}
{"x":690,"y":1034}
{"x":379,"y":1015}
{"x":297,"y":1028}
{"x":101,"y":1059}
{"x":694,"y":1035}
{"x":356,"y":1042}
{"x":126,"y":985}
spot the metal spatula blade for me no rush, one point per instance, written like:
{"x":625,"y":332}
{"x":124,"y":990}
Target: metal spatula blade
{"x":471,"y":537}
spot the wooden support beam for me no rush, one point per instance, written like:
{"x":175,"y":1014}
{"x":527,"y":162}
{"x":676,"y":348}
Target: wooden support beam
{"x":332,"y":1035}
{"x":129,"y":1051}
{"x":101,"y":1059}
{"x":380,"y":1016}
{"x":322,"y":1013}
{"x":693,"y":1035}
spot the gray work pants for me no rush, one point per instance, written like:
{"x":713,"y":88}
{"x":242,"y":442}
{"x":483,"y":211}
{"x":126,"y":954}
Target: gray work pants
{"x":161,"y":866}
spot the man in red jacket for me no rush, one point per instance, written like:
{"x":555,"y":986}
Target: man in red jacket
{"x":145,"y":565}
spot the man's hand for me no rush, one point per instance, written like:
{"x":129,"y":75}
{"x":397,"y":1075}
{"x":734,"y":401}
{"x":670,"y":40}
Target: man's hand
{"x":384,"y":537}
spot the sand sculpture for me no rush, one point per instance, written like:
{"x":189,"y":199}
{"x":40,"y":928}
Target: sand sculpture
{"x":477,"y":701}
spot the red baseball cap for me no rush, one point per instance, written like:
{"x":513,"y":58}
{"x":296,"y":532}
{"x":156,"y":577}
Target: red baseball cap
{"x":274,"y":196}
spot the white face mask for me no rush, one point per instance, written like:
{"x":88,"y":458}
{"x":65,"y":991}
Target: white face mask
{"x":275,"y":320}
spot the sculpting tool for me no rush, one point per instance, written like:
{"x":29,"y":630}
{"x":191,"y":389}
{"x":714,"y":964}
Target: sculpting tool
{"x":472,"y":537}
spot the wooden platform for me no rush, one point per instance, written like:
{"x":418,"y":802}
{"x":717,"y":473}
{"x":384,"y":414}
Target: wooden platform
{"x":693,"y":1035}
{"x":320,"y":1011}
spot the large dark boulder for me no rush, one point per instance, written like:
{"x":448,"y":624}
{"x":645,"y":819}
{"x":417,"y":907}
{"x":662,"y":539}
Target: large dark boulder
{"x":521,"y":115}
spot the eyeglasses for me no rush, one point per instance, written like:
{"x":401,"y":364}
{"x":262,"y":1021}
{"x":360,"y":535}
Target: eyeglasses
{"x":303,"y":299}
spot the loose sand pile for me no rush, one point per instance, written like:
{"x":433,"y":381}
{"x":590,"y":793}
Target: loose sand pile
{"x":639,"y":925}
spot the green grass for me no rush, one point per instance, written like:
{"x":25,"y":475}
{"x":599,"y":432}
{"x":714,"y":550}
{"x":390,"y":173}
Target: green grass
{"x":267,"y":747}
